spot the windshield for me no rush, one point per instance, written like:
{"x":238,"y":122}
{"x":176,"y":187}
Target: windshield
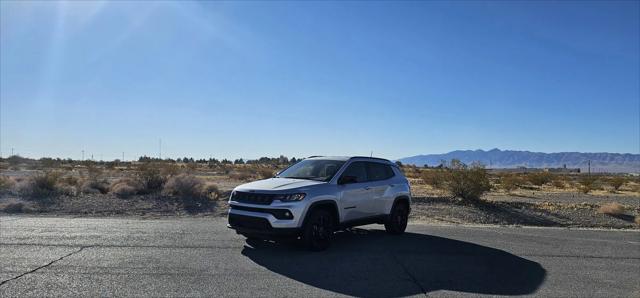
{"x":313,"y":169}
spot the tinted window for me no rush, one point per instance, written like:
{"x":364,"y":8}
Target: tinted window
{"x":313,"y":169}
{"x":357,"y":169}
{"x":378,"y":171}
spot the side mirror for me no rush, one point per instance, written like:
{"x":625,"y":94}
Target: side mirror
{"x":347,"y":179}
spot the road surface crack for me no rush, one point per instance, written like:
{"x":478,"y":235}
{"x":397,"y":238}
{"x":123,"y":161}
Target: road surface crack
{"x":408,"y":273}
{"x":45,"y":265}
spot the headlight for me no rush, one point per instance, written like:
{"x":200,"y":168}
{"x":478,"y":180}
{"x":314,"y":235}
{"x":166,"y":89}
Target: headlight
{"x":294,"y":197}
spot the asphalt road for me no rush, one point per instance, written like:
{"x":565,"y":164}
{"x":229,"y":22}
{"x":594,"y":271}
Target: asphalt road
{"x":201,"y":257}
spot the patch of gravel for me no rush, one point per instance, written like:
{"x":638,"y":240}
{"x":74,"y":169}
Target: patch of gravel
{"x":547,"y":214}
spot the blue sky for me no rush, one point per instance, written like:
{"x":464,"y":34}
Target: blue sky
{"x":251,"y":79}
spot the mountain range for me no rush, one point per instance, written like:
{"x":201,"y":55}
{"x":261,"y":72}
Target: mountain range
{"x":496,"y":158}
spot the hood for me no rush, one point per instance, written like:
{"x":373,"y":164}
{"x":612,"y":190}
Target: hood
{"x":275,"y":184}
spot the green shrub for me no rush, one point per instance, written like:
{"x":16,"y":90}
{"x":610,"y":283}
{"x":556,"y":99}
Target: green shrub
{"x":467,"y":182}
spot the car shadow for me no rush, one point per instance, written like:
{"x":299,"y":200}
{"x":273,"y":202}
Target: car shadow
{"x":371,"y":263}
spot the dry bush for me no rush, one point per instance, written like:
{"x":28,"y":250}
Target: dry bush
{"x":434,"y":178}
{"x":265,"y":173}
{"x":587,"y":183}
{"x":210,"y":190}
{"x":95,"y":186}
{"x":510,"y":182}
{"x":467,"y":182}
{"x":558,"y":183}
{"x":41,"y":185}
{"x":14,"y":208}
{"x":184,"y":186}
{"x":241,"y":174}
{"x":153,"y":176}
{"x":617,"y":182}
{"x":637,"y":219}
{"x":7,"y":184}
{"x":125,"y":187}
{"x":539,"y":178}
{"x":611,"y":208}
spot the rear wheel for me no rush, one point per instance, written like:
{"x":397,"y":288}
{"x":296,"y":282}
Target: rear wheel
{"x":318,"y":230}
{"x":397,"y":221}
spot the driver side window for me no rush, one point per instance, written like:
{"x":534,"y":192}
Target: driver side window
{"x":357,"y":169}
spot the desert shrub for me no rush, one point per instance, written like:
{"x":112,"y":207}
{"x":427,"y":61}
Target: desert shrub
{"x":434,"y":178}
{"x":153,"y":176}
{"x":510,"y":182}
{"x":467,"y":182}
{"x":637,"y":219}
{"x":617,"y":182}
{"x":210,"y":190}
{"x":125,"y":187}
{"x":587,"y":183}
{"x":70,"y":180}
{"x":539,"y":178}
{"x":611,"y":208}
{"x":41,"y":185}
{"x":241,"y":174}
{"x":265,"y":173}
{"x":6,"y":184}
{"x":558,"y":182}
{"x":184,"y":186}
{"x":95,"y":186}
{"x":14,"y":208}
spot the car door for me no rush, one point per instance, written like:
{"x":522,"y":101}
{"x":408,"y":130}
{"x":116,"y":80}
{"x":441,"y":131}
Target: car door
{"x":380,"y":186}
{"x":354,"y":196}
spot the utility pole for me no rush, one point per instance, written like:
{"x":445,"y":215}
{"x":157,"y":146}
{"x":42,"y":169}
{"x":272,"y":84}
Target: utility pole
{"x":160,"y":149}
{"x":82,"y":155}
{"x":11,"y":151}
{"x":589,"y":163}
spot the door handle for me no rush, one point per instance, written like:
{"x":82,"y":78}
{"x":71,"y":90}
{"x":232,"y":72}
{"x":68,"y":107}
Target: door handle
{"x":392,"y":185}
{"x":367,"y":188}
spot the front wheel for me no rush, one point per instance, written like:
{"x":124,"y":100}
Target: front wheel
{"x":397,"y":221}
{"x":318,"y":230}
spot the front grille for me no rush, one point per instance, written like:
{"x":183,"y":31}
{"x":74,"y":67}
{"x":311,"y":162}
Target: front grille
{"x":277,"y":213}
{"x":249,"y":222}
{"x":252,"y":198}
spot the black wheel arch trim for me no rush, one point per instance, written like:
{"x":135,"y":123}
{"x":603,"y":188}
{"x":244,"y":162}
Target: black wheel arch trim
{"x":401,"y":198}
{"x":322,"y":203}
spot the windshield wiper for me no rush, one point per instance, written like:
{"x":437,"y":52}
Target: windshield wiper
{"x":293,"y":177}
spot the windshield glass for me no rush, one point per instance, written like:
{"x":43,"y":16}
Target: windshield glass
{"x":313,"y":169}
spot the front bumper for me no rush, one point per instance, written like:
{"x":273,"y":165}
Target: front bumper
{"x":258,"y":227}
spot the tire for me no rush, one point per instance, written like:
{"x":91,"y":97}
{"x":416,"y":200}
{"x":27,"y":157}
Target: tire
{"x":318,"y":230}
{"x":397,"y":221}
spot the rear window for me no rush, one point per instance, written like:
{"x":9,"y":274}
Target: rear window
{"x":378,"y":171}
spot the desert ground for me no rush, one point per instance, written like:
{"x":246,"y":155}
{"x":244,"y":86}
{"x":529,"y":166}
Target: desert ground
{"x":151,"y":189}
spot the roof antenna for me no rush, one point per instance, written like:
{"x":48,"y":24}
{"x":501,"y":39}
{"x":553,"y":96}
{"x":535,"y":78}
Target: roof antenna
{"x":371,"y":154}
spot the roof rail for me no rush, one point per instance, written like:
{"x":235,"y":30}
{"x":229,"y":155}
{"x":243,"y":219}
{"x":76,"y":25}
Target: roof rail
{"x":369,"y":157}
{"x":312,"y":156}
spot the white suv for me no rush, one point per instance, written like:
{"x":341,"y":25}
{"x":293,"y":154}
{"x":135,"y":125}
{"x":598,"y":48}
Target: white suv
{"x":319,"y":195}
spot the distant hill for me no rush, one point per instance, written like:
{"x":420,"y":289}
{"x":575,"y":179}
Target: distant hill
{"x":496,"y":158}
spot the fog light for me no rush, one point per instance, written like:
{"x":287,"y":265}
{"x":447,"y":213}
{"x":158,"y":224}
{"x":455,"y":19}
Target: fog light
{"x":287,"y":214}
